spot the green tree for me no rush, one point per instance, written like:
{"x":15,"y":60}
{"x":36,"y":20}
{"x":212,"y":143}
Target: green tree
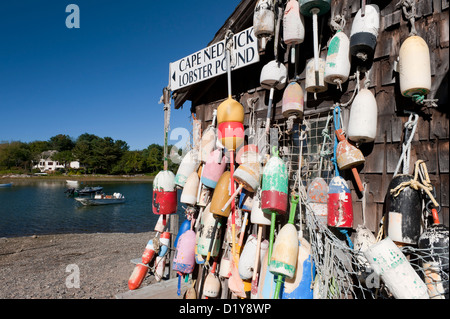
{"x":61,"y":143}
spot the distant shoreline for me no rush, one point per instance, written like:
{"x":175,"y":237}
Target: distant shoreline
{"x":80,"y":178}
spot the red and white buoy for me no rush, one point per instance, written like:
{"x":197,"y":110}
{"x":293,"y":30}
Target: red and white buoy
{"x":164,"y":193}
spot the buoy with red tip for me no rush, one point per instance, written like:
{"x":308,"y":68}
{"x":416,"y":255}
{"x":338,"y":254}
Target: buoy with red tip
{"x":164,"y":193}
{"x":189,"y":194}
{"x":403,"y":212}
{"x":264,"y":21}
{"x":394,"y":269}
{"x":292,"y":103}
{"x":364,"y":32}
{"x":340,"y":207}
{"x":317,"y":194}
{"x":414,"y":67}
{"x":348,"y":157}
{"x":213,"y":169}
{"x":137,"y":276}
{"x":188,"y":164}
{"x":274,"y":191}
{"x":337,"y":63}
{"x":362,"y":123}
{"x":293,"y":26}
{"x":211,"y":286}
{"x":283,"y":260}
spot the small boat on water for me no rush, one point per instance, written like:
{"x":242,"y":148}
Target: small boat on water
{"x":6,"y":185}
{"x":102,"y":199}
{"x":72,"y":183}
{"x":86,"y":191}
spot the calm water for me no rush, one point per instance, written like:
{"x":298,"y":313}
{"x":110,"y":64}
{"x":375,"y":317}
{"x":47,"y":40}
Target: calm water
{"x":42,"y":207}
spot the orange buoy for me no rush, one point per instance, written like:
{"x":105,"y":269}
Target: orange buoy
{"x":137,"y":276}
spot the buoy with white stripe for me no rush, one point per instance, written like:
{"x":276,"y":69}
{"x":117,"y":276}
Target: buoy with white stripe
{"x":388,"y":262}
{"x":283,"y":260}
{"x":164,"y":193}
{"x":414,"y":67}
{"x":364,"y":32}
{"x":362,"y":123}
{"x":160,"y":261}
{"x":349,"y":157}
{"x":188,"y":164}
{"x":213,"y":169}
{"x":337,"y":63}
{"x":435,"y":263}
{"x":317,"y":199}
{"x":293,"y":26}
{"x":264,"y":21}
{"x":403,"y":212}
{"x":340,"y":207}
{"x":292,"y":103}
{"x":274,"y":191}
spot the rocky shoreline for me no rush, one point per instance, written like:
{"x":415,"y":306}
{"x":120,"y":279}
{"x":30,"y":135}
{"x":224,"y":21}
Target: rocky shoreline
{"x":46,"y":266}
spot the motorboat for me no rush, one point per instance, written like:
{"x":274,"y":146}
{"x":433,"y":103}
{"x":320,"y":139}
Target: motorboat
{"x":102,"y":199}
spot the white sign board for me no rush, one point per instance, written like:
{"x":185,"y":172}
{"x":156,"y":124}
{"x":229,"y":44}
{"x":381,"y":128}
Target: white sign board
{"x":210,"y":62}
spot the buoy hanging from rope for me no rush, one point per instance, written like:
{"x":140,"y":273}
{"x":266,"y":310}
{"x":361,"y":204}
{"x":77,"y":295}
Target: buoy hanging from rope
{"x":403,"y":211}
{"x":337,"y":63}
{"x":188,"y":164}
{"x":211,"y":287}
{"x":292,"y":103}
{"x":339,"y":204}
{"x":364,"y":32}
{"x":388,"y":262}
{"x":314,"y":9}
{"x":362,"y":123}
{"x":414,"y":68}
{"x":348,"y":157}
{"x":283,"y":260}
{"x":293,"y":26}
{"x":264,"y":21}
{"x":164,"y":193}
{"x":206,"y":234}
{"x":274,"y":191}
{"x":184,"y":258}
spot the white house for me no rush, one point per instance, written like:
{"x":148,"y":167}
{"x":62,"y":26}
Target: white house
{"x":47,"y":164}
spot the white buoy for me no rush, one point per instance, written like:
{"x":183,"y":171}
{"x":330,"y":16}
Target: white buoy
{"x":189,"y":194}
{"x":394,"y":269}
{"x":188,"y":164}
{"x":337,"y":63}
{"x":414,"y":67}
{"x":264,"y":21}
{"x":315,"y":84}
{"x":273,"y":75}
{"x":362,"y":123}
{"x":247,"y":258}
{"x":364,"y":32}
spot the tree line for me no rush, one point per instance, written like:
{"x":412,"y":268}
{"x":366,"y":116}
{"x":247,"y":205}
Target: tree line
{"x":96,"y":155}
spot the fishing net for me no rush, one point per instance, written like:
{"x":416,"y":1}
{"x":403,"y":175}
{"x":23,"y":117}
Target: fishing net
{"x":342,"y":271}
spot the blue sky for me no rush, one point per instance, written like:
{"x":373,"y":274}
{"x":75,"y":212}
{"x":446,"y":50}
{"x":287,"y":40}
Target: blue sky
{"x":106,"y":77}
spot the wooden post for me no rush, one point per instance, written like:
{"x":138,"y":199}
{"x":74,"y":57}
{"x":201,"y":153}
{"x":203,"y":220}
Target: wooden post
{"x":173,"y":224}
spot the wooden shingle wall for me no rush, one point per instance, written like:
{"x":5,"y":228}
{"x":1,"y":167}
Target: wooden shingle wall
{"x":431,"y":140}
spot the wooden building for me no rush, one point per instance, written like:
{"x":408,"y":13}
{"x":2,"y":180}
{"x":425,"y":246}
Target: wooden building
{"x":431,"y":140}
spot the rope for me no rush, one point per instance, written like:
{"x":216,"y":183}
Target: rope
{"x":415,"y":184}
{"x":409,"y":10}
{"x":406,"y":147}
{"x":337,"y":23}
